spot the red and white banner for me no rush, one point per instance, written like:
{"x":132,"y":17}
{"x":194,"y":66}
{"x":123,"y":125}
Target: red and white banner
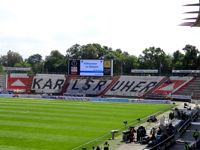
{"x":172,"y":85}
{"x":17,"y":82}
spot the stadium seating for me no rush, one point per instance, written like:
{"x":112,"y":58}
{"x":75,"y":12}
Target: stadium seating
{"x":114,"y":80}
{"x":192,"y":88}
{"x":152,"y":87}
{"x":2,"y":82}
{"x":48,"y":83}
{"x":135,"y":86}
{"x":170,"y":85}
{"x":87,"y":86}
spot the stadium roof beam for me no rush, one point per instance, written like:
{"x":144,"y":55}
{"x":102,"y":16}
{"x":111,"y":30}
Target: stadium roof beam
{"x":197,"y":4}
{"x":195,"y":20}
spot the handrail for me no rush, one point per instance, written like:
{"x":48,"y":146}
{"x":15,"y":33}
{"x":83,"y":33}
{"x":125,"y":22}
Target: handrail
{"x":162,"y":143}
{"x":184,"y":126}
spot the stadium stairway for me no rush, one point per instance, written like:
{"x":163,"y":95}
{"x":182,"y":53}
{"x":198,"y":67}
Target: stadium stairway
{"x":28,"y":90}
{"x":114,"y":80}
{"x":192,"y":88}
{"x":151,"y":95}
{"x":66,"y":84}
{"x":188,"y":137}
{"x":3,"y":81}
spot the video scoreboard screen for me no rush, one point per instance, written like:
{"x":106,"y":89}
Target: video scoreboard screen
{"x":90,"y":67}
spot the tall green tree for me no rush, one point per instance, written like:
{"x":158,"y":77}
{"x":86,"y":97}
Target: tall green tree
{"x":89,"y":51}
{"x":11,"y":59}
{"x":155,"y":58}
{"x":33,"y":59}
{"x":190,"y":60}
{"x":55,"y":63}
{"x":74,"y":52}
{"x":36,"y":63}
{"x":177,"y":60}
{"x":130,"y":62}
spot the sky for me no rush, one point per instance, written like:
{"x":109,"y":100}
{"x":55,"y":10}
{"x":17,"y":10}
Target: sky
{"x":40,"y":26}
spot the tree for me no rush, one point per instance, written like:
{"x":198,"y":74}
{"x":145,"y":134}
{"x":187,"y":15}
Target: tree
{"x":90,"y":51}
{"x":55,"y":63}
{"x":74,"y":52}
{"x":190,"y":60}
{"x":22,"y":64}
{"x":155,"y":58}
{"x":177,"y":60}
{"x":11,"y":59}
{"x":130,"y":62}
{"x":123,"y":62}
{"x":34,"y":59}
{"x":36,"y":63}
{"x":1,"y":68}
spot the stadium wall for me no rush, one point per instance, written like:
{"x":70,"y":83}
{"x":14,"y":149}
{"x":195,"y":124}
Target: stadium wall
{"x":133,"y":86}
{"x":87,"y":86}
{"x":48,"y":83}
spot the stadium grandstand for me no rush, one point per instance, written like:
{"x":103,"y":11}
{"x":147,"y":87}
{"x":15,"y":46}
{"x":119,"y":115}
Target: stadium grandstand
{"x":181,"y":84}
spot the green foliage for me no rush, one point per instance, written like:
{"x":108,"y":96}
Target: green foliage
{"x":151,"y":58}
{"x":55,"y":63}
{"x":34,"y":59}
{"x":89,"y":51}
{"x":22,"y":64}
{"x":11,"y":59}
{"x":36,"y":63}
{"x":74,"y":52}
{"x":1,"y":69}
{"x":190,"y":60}
{"x":177,"y":60}
{"x":155,"y":58}
{"x":64,"y":125}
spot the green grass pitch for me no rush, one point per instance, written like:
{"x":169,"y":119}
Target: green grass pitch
{"x":30,"y":124}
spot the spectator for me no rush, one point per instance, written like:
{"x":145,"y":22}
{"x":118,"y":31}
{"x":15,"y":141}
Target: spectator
{"x":196,"y":134}
{"x":153,"y":131}
{"x":187,"y":147}
{"x":98,"y":148}
{"x":106,"y":146}
{"x":131,"y":134}
{"x":138,"y":135}
{"x":159,"y":132}
{"x":171,"y":115}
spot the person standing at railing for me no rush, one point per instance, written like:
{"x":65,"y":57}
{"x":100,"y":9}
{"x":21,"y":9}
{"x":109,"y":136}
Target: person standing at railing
{"x":187,"y":147}
{"x":196,"y":134}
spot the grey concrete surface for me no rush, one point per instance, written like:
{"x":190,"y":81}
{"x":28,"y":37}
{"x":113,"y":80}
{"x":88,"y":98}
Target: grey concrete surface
{"x":118,"y":145}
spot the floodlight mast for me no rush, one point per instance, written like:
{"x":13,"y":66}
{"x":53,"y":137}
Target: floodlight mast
{"x":193,"y":21}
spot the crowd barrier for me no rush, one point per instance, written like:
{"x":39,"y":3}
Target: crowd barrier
{"x":96,"y":99}
{"x":109,"y":99}
{"x":150,"y":101}
{"x":6,"y":95}
{"x":164,"y":144}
